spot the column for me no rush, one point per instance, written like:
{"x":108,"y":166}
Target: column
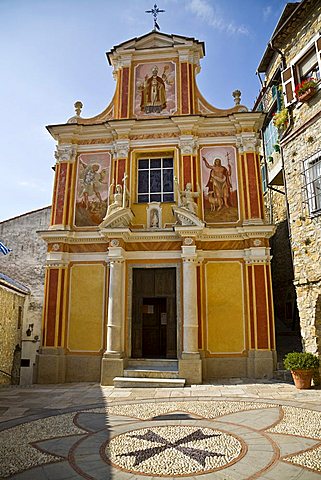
{"x":112,"y":362}
{"x":261,"y":359}
{"x":115,"y":308}
{"x":190,"y":365}
{"x":62,"y":196}
{"x":190,"y":329}
{"x":253,"y":209}
{"x":51,"y":356}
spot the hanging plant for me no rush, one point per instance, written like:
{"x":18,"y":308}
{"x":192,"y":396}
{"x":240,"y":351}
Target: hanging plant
{"x":281,"y":119}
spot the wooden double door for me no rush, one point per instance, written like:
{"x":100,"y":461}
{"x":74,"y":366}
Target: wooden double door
{"x":154,"y":326}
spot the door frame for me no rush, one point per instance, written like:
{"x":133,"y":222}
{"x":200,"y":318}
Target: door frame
{"x":129,"y":305}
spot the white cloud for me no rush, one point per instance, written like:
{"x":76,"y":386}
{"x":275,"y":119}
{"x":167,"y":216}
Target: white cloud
{"x":33,"y":184}
{"x":206,"y":12}
{"x":267,"y":12}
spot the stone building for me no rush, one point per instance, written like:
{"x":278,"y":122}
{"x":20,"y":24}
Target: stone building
{"x":291,"y":166}
{"x":13,"y":303}
{"x":26,"y":264}
{"x":158,"y":259}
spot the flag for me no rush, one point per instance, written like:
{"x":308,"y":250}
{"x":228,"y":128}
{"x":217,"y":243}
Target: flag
{"x":4,"y":250}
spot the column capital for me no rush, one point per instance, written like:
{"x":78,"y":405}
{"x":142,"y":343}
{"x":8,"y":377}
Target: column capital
{"x":121,"y":148}
{"x":189,"y":253}
{"x":116,"y":255}
{"x":188,"y":144}
{"x":66,"y":153}
{"x":255,"y":255}
{"x":248,"y":142}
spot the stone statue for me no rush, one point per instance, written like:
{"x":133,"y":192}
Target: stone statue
{"x":154,"y":220}
{"x":119,"y":199}
{"x":186,"y":197}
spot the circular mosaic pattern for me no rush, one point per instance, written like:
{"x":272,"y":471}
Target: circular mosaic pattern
{"x":172,"y":450}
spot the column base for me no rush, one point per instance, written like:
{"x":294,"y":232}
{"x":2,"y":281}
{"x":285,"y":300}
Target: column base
{"x":111,"y":367}
{"x":50,"y":365}
{"x":190,"y":368}
{"x":261,"y":363}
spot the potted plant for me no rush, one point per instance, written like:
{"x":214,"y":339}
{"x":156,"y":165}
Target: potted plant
{"x":302,"y":366}
{"x":276,"y":147}
{"x":281,"y":119}
{"x":305,"y":89}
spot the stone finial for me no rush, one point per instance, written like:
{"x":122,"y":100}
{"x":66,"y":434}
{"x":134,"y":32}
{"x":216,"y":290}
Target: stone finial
{"x":237,"y":97}
{"x":78,"y":107}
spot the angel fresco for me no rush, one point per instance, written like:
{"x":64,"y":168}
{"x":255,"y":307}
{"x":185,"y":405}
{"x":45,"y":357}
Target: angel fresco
{"x":92,"y":187}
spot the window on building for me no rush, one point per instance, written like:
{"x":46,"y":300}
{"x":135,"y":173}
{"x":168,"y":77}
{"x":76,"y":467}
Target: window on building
{"x":312,"y":171}
{"x":270,"y":137}
{"x":303,"y":66}
{"x":308,"y":67}
{"x":155,"y":180}
{"x":264,"y":178}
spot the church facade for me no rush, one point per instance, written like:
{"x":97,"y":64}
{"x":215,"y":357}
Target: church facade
{"x":158,"y":249}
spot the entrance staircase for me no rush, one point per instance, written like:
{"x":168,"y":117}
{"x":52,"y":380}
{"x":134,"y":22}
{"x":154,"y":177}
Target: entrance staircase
{"x":148,"y":373}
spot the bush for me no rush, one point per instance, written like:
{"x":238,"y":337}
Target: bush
{"x":300,"y":361}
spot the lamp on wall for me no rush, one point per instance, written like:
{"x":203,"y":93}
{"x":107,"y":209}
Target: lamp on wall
{"x":29,"y":330}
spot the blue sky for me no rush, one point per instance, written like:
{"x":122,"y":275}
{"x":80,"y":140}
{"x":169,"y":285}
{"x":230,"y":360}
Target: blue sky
{"x":53,"y":53}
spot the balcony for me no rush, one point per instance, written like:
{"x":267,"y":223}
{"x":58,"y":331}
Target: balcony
{"x":275,"y":174}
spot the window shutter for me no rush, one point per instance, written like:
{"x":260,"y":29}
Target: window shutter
{"x":318,"y":48}
{"x":288,"y":86}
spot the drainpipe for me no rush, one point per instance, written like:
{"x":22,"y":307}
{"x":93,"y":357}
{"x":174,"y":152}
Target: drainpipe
{"x":260,"y":79}
{"x":277,"y":50}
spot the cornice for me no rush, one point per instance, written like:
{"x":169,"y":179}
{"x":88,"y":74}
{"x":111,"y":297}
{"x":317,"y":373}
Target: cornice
{"x":169,"y":235}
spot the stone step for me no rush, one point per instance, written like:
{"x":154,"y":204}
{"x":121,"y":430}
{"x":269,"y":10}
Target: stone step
{"x":151,"y":363}
{"x":150,"y":372}
{"x":284,"y":375}
{"x":134,"y":382}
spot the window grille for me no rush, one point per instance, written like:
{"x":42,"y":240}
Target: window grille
{"x":312,"y":174}
{"x":155,"y":180}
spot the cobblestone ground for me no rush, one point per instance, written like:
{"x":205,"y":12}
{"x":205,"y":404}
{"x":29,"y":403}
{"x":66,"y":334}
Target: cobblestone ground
{"x":226,"y":431}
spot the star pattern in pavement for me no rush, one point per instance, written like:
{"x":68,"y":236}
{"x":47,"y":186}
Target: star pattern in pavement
{"x":194,"y":453}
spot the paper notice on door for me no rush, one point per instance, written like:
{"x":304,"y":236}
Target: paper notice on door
{"x":149,"y":309}
{"x":163,"y":319}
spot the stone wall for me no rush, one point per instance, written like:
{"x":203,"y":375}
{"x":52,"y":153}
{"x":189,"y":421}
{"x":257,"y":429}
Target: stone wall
{"x":300,"y":141}
{"x":304,"y":140}
{"x":10,"y":333}
{"x":305,"y":231}
{"x":26,"y":264}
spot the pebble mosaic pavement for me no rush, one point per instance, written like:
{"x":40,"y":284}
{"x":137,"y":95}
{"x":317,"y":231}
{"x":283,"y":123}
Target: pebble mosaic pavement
{"x":130,"y":436}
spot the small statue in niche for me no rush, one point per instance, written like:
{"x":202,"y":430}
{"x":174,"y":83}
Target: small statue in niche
{"x":186,"y":197}
{"x":154,"y":219}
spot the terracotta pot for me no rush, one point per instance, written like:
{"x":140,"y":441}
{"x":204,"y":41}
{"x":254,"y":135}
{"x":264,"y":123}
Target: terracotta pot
{"x":304,"y":97}
{"x":302,"y":378}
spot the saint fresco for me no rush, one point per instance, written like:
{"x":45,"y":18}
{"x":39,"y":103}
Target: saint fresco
{"x":93,"y":178}
{"x":219,"y":184}
{"x":155,"y":90}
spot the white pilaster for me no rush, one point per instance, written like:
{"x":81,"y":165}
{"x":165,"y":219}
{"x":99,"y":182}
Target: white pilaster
{"x":190,"y":366}
{"x":190,"y":323}
{"x":115,"y":307}
{"x":112,"y":362}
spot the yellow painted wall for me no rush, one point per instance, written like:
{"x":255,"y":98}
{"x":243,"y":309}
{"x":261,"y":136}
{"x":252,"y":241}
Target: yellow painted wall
{"x":140,"y":212}
{"x":86,"y":307}
{"x":224,"y":306}
{"x":10,"y":334}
